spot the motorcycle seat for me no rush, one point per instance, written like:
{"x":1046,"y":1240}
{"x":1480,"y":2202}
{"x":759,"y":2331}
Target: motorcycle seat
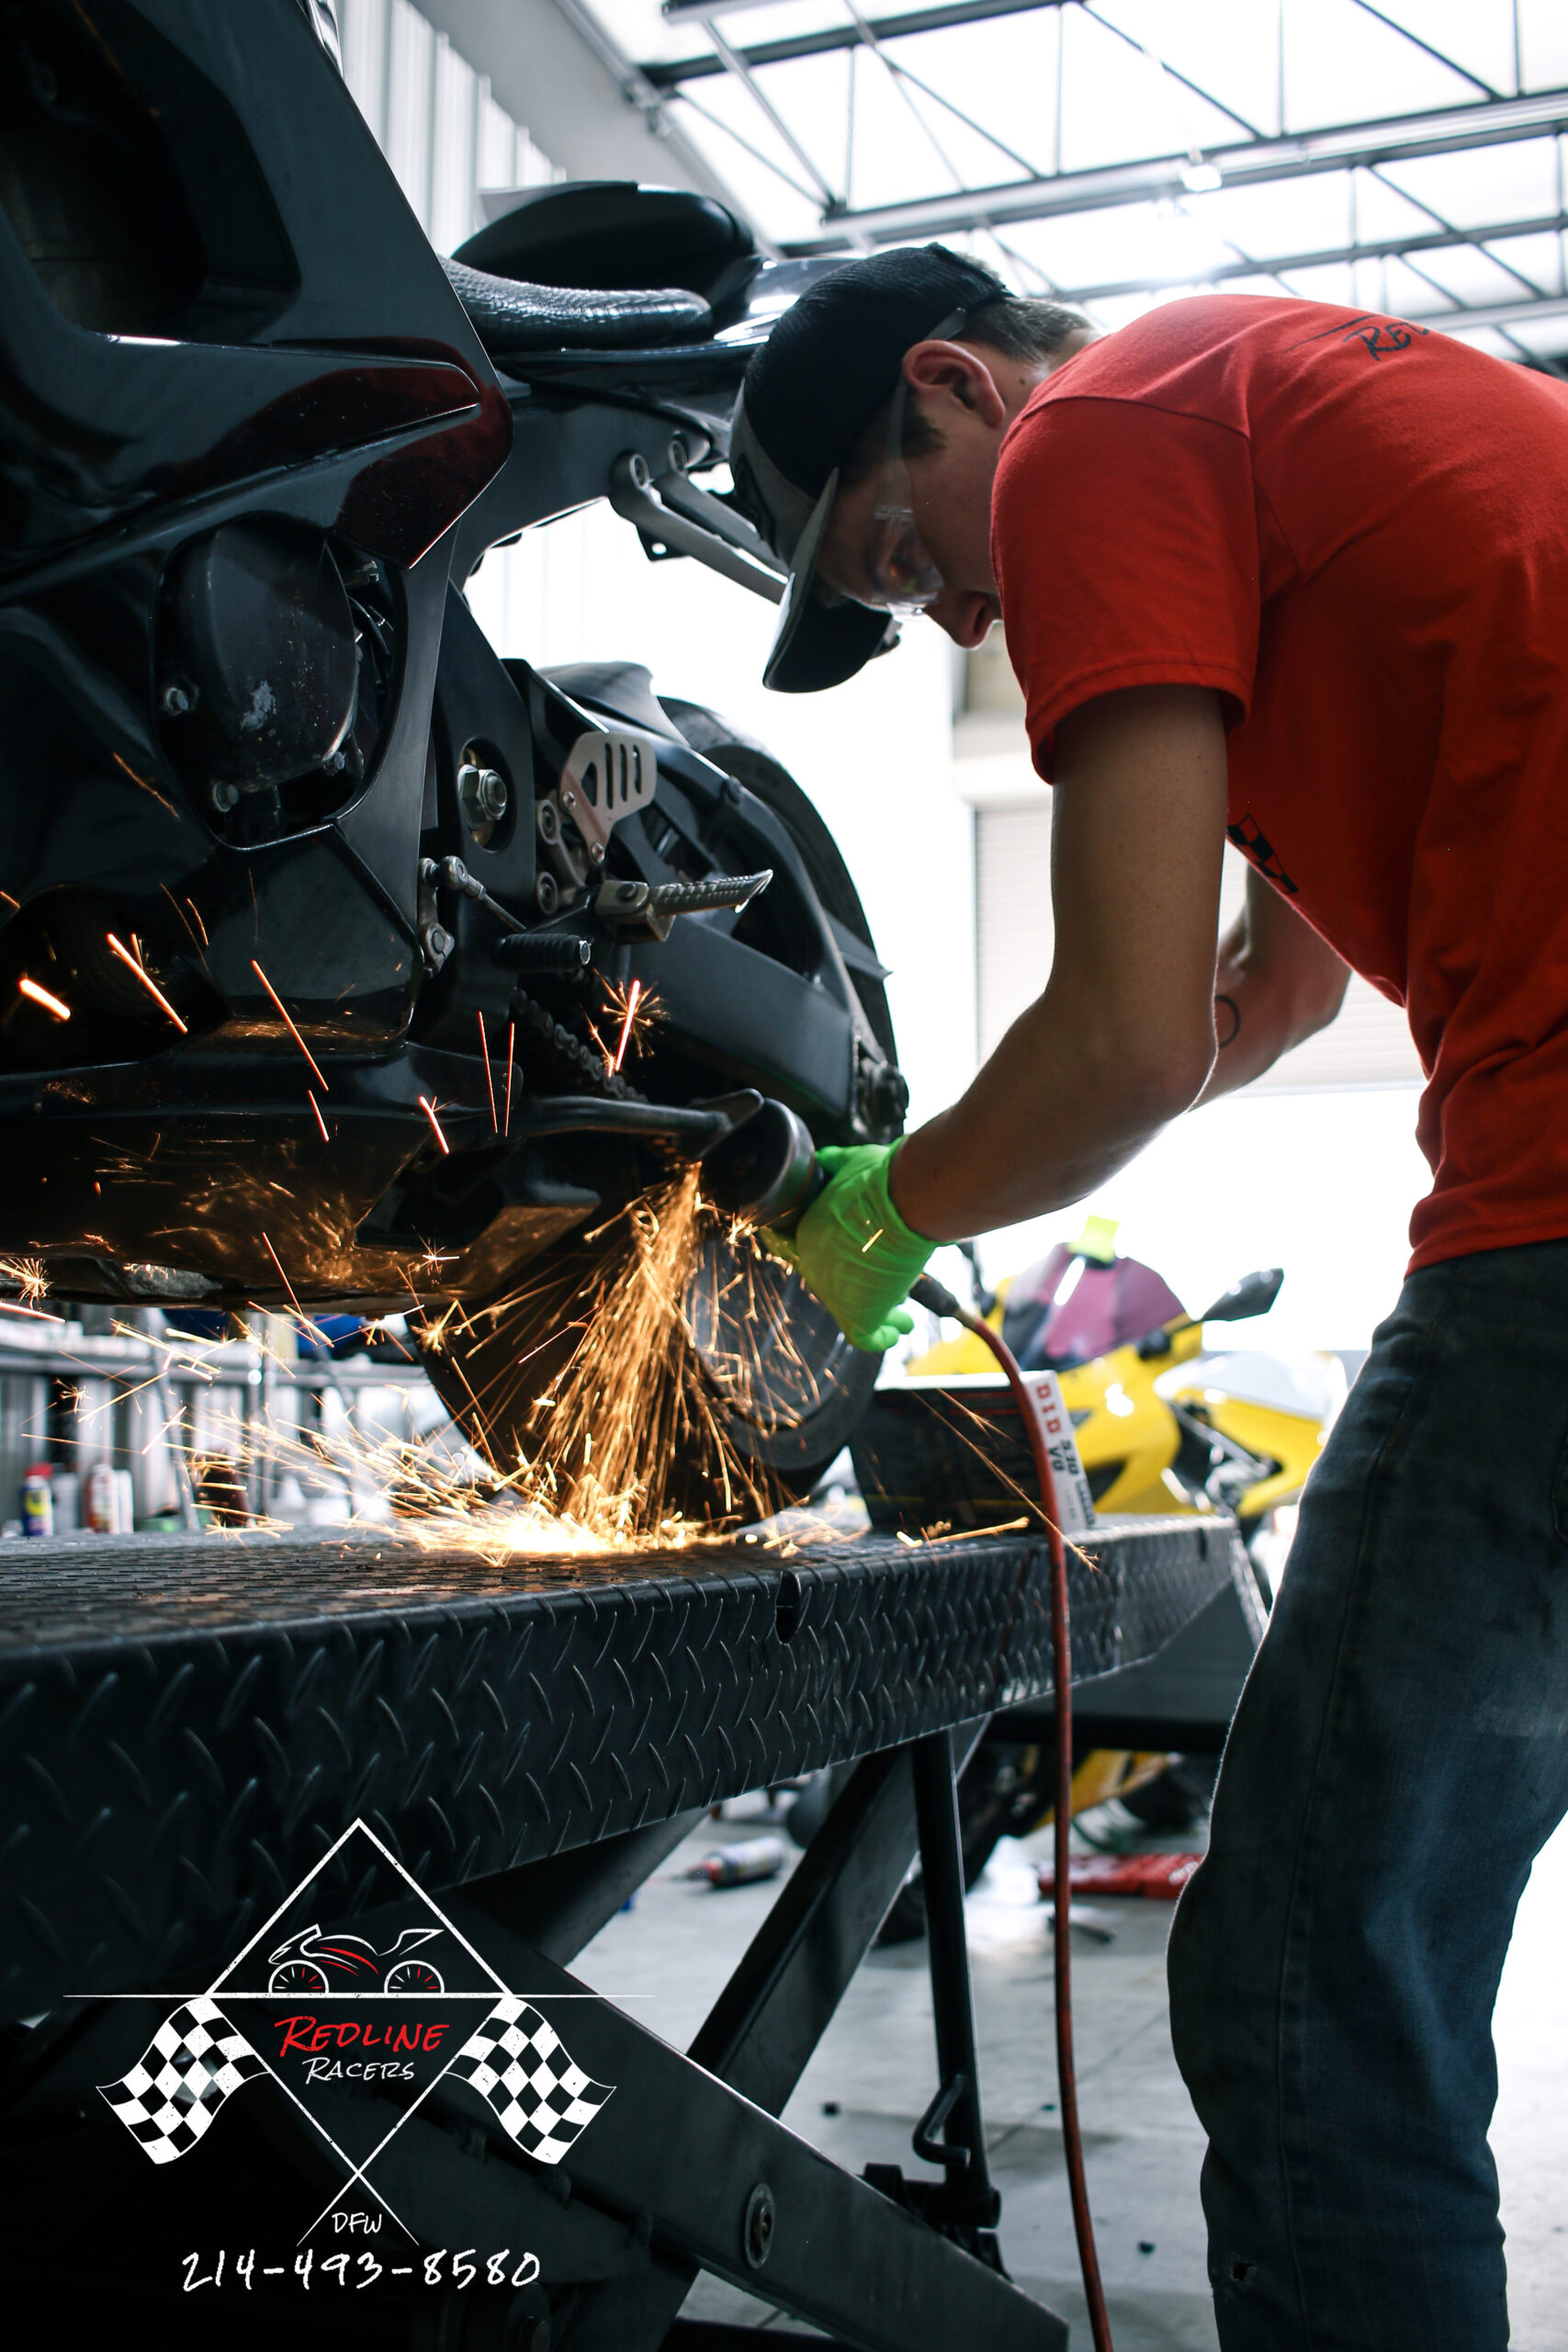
{"x":615,"y":234}
{"x":512,"y":316}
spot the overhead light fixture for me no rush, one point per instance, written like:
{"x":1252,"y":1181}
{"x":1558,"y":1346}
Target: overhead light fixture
{"x":1201,"y":178}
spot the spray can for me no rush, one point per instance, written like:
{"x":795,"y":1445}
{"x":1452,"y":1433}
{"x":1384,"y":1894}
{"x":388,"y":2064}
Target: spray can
{"x":38,"y":1500}
{"x":733,"y":1865}
{"x":102,"y":1516}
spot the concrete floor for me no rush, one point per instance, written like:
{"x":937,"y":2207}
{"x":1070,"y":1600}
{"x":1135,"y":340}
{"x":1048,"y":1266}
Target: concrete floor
{"x":668,"y":1957}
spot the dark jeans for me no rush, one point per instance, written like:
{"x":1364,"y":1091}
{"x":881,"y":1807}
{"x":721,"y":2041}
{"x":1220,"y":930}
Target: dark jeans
{"x":1399,"y":1758}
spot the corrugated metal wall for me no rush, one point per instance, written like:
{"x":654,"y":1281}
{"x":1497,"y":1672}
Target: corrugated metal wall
{"x":434,"y":118}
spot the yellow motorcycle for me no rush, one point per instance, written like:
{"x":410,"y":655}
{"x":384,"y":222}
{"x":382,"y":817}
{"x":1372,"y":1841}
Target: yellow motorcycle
{"x":1161,"y":1425}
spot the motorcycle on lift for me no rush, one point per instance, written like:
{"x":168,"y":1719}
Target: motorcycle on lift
{"x":292,"y":863}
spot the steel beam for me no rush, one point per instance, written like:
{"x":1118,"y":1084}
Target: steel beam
{"x":1279,"y":264}
{"x":1247,"y":164}
{"x":667,"y":74}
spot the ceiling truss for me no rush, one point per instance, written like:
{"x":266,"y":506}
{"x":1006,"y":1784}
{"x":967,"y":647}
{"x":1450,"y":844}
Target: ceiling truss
{"x":1254,"y":157}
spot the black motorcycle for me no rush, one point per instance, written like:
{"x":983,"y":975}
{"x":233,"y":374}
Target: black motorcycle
{"x":309,"y":901}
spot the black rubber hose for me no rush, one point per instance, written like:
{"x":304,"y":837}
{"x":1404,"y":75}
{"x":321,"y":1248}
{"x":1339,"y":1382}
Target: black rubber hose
{"x":937,"y":1300}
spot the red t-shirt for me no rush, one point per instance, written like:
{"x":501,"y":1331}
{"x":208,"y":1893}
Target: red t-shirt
{"x":1357,"y":532}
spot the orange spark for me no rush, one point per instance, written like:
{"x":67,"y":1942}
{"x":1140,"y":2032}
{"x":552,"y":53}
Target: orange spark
{"x":132,"y":965}
{"x":289,"y":1025}
{"x":29,"y":1276}
{"x":633,"y":993}
{"x":319,"y":1121}
{"x":428,"y":1107}
{"x":489,"y":1077}
{"x":510,"y":1041}
{"x":61,"y":1010}
{"x":199,"y":924}
{"x":305,"y":1323}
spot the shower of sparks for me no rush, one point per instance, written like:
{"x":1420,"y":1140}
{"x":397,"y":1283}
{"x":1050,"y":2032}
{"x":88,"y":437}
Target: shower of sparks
{"x":61,"y":1010}
{"x":132,"y":964}
{"x":289,"y":1025}
{"x":428,"y":1107}
{"x":668,"y":1340}
{"x":511,"y":1043}
{"x":489,"y":1074}
{"x":610,"y":1452}
{"x":319,"y":1121}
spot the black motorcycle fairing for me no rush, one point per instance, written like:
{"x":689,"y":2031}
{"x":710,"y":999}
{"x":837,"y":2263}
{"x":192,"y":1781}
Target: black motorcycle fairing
{"x":359,"y":344}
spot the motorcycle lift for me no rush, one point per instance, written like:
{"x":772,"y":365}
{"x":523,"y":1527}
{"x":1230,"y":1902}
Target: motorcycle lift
{"x":191,"y":1729}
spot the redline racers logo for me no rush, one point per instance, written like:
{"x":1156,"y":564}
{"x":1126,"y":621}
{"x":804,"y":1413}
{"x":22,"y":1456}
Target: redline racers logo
{"x":329,"y":2015}
{"x":307,"y":2032}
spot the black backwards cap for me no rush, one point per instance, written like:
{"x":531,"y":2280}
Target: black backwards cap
{"x":832,"y":361}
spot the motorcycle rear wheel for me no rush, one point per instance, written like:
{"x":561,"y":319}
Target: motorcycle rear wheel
{"x":775,"y":1391}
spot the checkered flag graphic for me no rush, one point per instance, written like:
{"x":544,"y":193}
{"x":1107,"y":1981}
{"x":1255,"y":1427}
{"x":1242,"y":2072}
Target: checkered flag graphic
{"x":182,"y":2079}
{"x":518,"y":2063}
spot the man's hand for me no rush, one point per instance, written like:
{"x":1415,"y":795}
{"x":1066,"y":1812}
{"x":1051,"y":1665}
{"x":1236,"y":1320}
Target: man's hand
{"x":1124,"y":1038}
{"x":855,"y":1251}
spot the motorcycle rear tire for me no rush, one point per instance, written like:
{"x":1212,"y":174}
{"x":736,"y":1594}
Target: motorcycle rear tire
{"x":799,"y":1403}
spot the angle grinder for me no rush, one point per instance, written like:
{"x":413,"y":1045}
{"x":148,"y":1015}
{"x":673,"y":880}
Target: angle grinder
{"x":766,"y":1171}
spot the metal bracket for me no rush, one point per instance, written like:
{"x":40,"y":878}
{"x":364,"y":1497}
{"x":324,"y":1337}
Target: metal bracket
{"x":610,"y":773}
{"x":675,"y":510}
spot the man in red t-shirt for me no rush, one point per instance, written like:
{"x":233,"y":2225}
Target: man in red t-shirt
{"x":1299,"y":575}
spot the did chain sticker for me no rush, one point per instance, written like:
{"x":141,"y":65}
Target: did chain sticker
{"x":1074,"y":1504}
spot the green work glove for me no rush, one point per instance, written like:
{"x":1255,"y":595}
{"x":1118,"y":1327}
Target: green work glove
{"x":855,"y":1251}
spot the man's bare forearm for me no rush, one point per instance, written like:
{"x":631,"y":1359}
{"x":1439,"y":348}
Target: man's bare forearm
{"x":1122,"y":1040}
{"x":1060,"y":1106}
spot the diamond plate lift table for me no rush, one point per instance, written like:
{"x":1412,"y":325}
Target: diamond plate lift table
{"x":188,"y":1726}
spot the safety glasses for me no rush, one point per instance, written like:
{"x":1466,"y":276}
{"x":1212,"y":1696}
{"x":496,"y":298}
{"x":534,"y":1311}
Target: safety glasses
{"x":900,"y":574}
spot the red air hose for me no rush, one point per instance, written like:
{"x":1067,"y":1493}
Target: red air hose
{"x":932,"y":1296}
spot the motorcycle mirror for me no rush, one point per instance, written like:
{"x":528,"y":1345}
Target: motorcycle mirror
{"x":1254,"y":1294}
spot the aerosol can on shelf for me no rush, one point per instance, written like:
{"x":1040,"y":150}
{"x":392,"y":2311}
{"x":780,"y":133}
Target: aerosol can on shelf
{"x":38,"y":1500}
{"x":103,"y":1501}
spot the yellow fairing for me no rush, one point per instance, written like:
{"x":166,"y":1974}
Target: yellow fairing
{"x":1126,"y":1422}
{"x":1120,"y":1419}
{"x":1292,"y":1440}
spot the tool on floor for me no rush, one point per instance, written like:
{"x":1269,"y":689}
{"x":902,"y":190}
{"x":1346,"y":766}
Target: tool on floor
{"x":751,"y":1858}
{"x":766,"y":1171}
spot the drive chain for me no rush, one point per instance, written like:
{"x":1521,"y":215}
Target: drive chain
{"x":586,"y":1067}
